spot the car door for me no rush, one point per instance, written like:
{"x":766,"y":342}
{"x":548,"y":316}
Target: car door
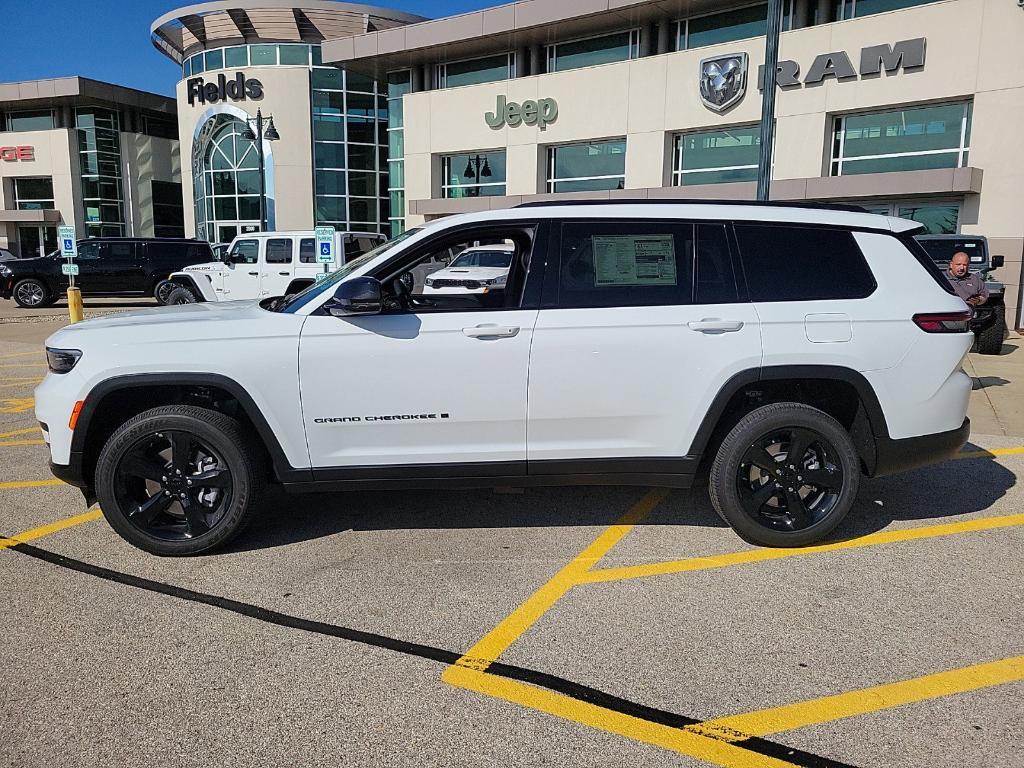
{"x":425,"y":391}
{"x":242,"y":277}
{"x":276,"y":266}
{"x":120,"y":268}
{"x":90,"y":278}
{"x":641,"y":324}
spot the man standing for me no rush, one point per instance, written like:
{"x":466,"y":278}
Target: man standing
{"x":970,"y":288}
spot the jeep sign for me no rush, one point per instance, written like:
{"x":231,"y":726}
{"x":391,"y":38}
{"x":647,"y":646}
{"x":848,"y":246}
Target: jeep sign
{"x":236,"y":89}
{"x":540,"y":113}
{"x":908,"y":54}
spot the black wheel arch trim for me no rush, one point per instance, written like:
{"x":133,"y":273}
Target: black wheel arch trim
{"x":284,"y":471}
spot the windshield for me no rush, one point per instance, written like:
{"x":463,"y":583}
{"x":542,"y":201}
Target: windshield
{"x":499,"y":259}
{"x":302,"y":298}
{"x":941,"y":251}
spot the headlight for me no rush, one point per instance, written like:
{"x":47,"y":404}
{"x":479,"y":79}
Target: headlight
{"x":62,"y":360}
{"x":429,"y":281}
{"x":5,"y":270}
{"x":495,"y":281}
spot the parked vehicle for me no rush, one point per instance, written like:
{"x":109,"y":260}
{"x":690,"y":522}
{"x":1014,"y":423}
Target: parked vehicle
{"x":6,"y":255}
{"x":263,"y":264}
{"x":989,"y":321}
{"x":108,"y":266}
{"x":645,"y":343}
{"x":477,"y":269}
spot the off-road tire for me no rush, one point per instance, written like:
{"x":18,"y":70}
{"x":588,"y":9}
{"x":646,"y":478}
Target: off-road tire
{"x":30,"y":286}
{"x":180,"y":295}
{"x":162,"y":290}
{"x":723,"y":485}
{"x":990,"y":340}
{"x":232,"y":441}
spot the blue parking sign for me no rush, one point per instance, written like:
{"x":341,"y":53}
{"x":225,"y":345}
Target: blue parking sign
{"x":325,"y":249}
{"x":69,"y":244}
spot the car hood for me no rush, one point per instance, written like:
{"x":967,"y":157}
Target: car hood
{"x":469,"y":273}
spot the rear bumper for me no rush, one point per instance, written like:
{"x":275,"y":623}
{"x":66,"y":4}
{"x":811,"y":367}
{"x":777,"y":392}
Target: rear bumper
{"x":911,"y":452}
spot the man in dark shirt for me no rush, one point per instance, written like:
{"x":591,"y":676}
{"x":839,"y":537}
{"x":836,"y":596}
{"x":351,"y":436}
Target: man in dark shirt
{"x":969,"y":287}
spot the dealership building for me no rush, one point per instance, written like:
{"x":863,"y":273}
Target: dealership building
{"x":97,"y":156}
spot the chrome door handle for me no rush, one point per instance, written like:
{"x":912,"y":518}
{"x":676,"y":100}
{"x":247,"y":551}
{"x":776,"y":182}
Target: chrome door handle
{"x":714,"y":325}
{"x":491,"y":331}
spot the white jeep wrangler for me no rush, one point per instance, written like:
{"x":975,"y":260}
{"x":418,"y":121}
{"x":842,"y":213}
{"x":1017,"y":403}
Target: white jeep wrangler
{"x":780,"y":351}
{"x":262,"y":264}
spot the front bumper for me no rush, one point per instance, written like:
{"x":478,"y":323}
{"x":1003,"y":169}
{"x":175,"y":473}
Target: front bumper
{"x":73,"y":474}
{"x":908,"y":453}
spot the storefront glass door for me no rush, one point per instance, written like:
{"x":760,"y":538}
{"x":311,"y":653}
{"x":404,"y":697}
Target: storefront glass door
{"x":36,"y":240}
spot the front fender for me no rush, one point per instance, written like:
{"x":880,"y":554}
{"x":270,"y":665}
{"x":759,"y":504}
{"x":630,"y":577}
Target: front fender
{"x":199,"y":283}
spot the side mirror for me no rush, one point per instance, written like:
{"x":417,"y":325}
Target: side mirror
{"x":997,"y":261}
{"x":358,"y":296}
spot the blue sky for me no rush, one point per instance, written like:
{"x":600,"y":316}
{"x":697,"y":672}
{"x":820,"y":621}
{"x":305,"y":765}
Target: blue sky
{"x":109,"y":40}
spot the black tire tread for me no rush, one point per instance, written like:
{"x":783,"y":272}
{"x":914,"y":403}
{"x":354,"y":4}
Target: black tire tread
{"x":181,"y":291}
{"x":990,"y":340}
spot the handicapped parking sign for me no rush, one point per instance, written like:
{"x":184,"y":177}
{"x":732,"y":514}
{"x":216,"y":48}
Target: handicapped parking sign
{"x":68,"y":246}
{"x":325,"y":245}
{"x":325,"y":249}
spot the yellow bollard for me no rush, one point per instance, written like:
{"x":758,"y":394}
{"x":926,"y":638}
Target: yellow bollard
{"x":75,"y":304}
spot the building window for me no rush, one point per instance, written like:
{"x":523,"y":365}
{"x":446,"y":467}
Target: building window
{"x":939,"y":217}
{"x":399,"y":84}
{"x":160,"y":127}
{"x":850,"y":9}
{"x":452,"y":74}
{"x":227,"y":195}
{"x":588,"y":52}
{"x":913,"y":139}
{"x":737,"y":24}
{"x":716,"y":157}
{"x":168,"y":209}
{"x":590,"y":166}
{"x":476,"y":174}
{"x":350,"y":164}
{"x":99,"y":156}
{"x":33,"y":193}
{"x":35,"y":120}
{"x":261,"y":55}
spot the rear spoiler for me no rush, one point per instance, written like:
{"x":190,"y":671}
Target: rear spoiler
{"x":905,"y":226}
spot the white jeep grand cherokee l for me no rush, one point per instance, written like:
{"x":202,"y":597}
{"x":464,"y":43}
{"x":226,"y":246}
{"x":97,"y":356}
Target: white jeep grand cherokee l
{"x":783,"y":351}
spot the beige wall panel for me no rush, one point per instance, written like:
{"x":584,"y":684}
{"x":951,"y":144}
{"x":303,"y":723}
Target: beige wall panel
{"x":145,"y":159}
{"x":1002,"y":30}
{"x":646,"y":161}
{"x":648,"y":95}
{"x":418,"y":178}
{"x":800,"y":146}
{"x":52,"y":157}
{"x":995,"y":148}
{"x":525,"y":169}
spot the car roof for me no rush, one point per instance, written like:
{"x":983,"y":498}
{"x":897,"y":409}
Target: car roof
{"x":306,"y":233}
{"x":495,"y":247}
{"x":838,"y":216}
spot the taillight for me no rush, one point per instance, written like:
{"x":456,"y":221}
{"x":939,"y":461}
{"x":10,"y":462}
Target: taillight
{"x":943,"y":322}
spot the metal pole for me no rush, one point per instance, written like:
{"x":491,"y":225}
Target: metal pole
{"x":771,"y":64}
{"x":263,"y":175}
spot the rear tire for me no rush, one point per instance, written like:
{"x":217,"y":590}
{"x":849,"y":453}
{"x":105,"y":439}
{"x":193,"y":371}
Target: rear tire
{"x":180,"y":295}
{"x":772,"y":500}
{"x":179,"y":480}
{"x":990,"y":340}
{"x":31,"y":293}
{"x":162,"y":290}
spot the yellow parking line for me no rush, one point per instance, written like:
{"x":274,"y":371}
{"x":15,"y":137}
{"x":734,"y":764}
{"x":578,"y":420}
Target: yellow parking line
{"x":28,"y":484}
{"x":17,"y":432}
{"x":987,"y":453}
{"x":761,"y":555}
{"x":22,"y":354}
{"x":864,"y":701}
{"x":23,"y":365}
{"x":27,"y":383}
{"x":8,"y":443}
{"x":16,"y":404}
{"x":45,"y":530}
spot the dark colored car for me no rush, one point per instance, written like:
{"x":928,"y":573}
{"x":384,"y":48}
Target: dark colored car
{"x":107,"y":266}
{"x":6,"y":255}
{"x":989,"y":322}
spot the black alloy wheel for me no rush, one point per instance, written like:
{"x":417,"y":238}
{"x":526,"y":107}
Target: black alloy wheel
{"x":172,"y":485}
{"x":162,"y":291}
{"x":30,"y":293}
{"x":789,"y":479}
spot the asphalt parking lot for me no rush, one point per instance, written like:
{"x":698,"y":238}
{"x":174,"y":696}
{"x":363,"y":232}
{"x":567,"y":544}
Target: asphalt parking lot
{"x":571,"y":626}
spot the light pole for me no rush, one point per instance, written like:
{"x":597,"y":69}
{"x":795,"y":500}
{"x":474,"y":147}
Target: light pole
{"x":270,"y":134}
{"x":771,"y":66}
{"x":477,"y":168}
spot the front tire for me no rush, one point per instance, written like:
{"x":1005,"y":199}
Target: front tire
{"x":179,"y":480}
{"x":32,"y":294}
{"x":180,"y":295}
{"x":162,"y":290}
{"x":990,"y":340}
{"x":785,"y":476}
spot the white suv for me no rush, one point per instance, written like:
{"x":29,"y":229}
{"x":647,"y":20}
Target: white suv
{"x":781,"y":351}
{"x":478,"y":269}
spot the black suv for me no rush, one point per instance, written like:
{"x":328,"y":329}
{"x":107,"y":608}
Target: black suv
{"x":107,"y":266}
{"x":989,"y":321}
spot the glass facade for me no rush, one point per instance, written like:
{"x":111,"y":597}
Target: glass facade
{"x":590,"y":166}
{"x":472,"y":71}
{"x":227,"y":194}
{"x":715,"y":157}
{"x":912,"y":139}
{"x":168,"y":209}
{"x":737,"y":24}
{"x":399,"y":84}
{"x":29,"y":120}
{"x":475,"y":174}
{"x":619,"y":46}
{"x":940,"y":217}
{"x":851,"y":9}
{"x":99,"y":156}
{"x":33,"y":193}
{"x":261,"y":55}
{"x":349,"y":150}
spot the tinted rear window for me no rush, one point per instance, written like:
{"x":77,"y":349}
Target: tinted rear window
{"x":786,"y":263}
{"x":941,"y":251}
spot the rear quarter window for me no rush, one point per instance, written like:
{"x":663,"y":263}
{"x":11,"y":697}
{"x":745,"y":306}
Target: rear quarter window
{"x":791,"y":263}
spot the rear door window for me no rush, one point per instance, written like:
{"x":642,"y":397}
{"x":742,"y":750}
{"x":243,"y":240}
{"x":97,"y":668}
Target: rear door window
{"x":715,"y":278}
{"x":793,"y":263}
{"x":279,"y":250}
{"x":307,"y":250}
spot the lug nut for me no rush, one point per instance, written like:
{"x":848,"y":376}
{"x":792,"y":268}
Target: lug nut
{"x":164,"y":478}
{"x":189,"y":482}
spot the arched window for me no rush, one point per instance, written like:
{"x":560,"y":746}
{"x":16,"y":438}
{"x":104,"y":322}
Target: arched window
{"x":228,"y":195}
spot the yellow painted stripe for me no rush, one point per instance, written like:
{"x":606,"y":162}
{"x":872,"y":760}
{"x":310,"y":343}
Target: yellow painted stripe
{"x":21,"y":379}
{"x":17,"y":432}
{"x":494,"y":643}
{"x":16,"y":405}
{"x":761,"y":555}
{"x":23,"y":354}
{"x":46,"y":530}
{"x":22,"y":383}
{"x":8,"y":443}
{"x":23,"y":365}
{"x":28,"y":484}
{"x":711,"y":750}
{"x":988,"y":453}
{"x":864,"y":701}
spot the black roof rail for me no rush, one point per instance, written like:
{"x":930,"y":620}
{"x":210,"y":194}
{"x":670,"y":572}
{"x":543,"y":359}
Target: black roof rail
{"x":758,"y":203}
